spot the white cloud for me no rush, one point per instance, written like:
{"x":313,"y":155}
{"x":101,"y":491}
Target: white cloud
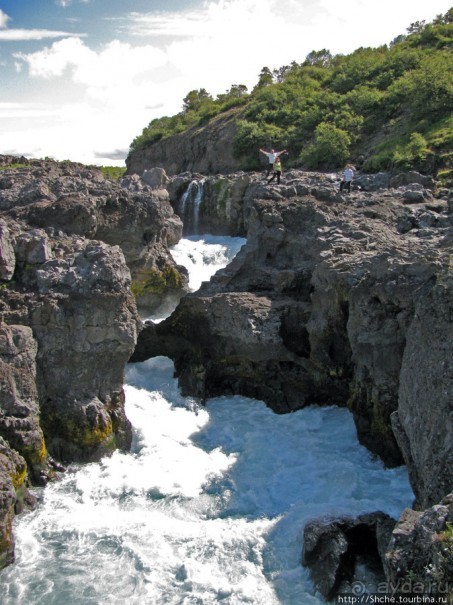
{"x":77,"y":131}
{"x":65,"y":3}
{"x":15,"y":35}
{"x":3,"y":19}
{"x":119,"y":87}
{"x":24,"y":110}
{"x":115,"y":67}
{"x":52,"y":62}
{"x":112,"y":90}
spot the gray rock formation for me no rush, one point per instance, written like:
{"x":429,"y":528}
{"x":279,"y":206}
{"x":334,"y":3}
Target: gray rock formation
{"x":19,"y":407}
{"x":76,"y":200}
{"x":321,"y":306}
{"x":14,"y":495}
{"x":423,"y":423}
{"x":332,"y":547}
{"x":419,"y":557}
{"x":206,"y":149}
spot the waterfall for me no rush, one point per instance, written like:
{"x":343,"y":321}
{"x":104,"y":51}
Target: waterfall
{"x":189,"y":206}
{"x":183,"y":201}
{"x":196,"y":205}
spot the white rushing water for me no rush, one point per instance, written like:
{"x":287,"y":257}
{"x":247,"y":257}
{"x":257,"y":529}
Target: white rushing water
{"x":203,"y":255}
{"x":208,"y":507}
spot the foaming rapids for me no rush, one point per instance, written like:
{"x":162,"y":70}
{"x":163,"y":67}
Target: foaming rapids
{"x":208,"y":506}
{"x":203,"y":255}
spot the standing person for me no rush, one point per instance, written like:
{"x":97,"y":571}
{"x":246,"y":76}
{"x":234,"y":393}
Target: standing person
{"x":348,"y":175}
{"x":277,"y":171}
{"x":272,"y":155}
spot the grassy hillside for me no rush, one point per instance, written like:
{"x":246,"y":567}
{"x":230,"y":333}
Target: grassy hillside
{"x":386,"y":108}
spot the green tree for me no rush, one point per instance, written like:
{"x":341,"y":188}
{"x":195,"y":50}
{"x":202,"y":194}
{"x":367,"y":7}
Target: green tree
{"x":444,"y":19}
{"x":418,"y":147}
{"x":279,"y":75}
{"x":411,"y":154}
{"x":358,"y":68}
{"x":235,"y":96}
{"x":331,"y":147}
{"x":237,"y":90}
{"x":251,"y":136}
{"x":319,"y":58}
{"x":416,"y":27}
{"x":397,"y":40}
{"x":194,"y":100}
{"x":428,"y":90}
{"x":265,"y":78}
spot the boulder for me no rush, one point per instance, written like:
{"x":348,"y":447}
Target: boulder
{"x":410,"y":178}
{"x":419,"y":556}
{"x":332,"y":547}
{"x":156,"y":178}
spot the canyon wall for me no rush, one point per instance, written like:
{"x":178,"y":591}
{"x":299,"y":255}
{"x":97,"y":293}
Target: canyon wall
{"x":335,"y":299}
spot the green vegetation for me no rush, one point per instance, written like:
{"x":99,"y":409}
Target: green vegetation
{"x":388,"y":108}
{"x":113,"y":172}
{"x":198,"y":108}
{"x":19,"y":477}
{"x":154,"y":281}
{"x":12,"y":166}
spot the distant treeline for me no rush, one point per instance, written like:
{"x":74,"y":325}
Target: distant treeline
{"x":388,"y":108}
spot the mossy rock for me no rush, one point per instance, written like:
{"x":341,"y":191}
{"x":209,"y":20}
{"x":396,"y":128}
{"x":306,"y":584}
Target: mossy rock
{"x":90,"y":437}
{"x":155,"y":281}
{"x":35,"y":456}
{"x":19,"y":477}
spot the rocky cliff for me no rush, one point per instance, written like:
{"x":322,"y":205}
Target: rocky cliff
{"x":69,"y":241}
{"x":335,"y":299}
{"x":206,"y":149}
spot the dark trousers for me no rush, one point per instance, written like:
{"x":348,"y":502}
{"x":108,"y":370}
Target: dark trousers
{"x":269,"y":168}
{"x":346,"y":184}
{"x":278,"y":174}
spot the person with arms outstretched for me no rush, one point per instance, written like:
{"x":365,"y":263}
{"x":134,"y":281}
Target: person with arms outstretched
{"x":272,"y":155}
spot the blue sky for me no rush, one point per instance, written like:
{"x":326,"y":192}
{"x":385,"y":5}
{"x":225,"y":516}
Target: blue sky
{"x":81,"y":78}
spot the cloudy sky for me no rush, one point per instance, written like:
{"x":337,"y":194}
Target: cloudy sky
{"x":79,"y":79}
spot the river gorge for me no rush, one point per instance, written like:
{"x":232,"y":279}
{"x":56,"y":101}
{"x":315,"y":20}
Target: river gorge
{"x":185,"y":417}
